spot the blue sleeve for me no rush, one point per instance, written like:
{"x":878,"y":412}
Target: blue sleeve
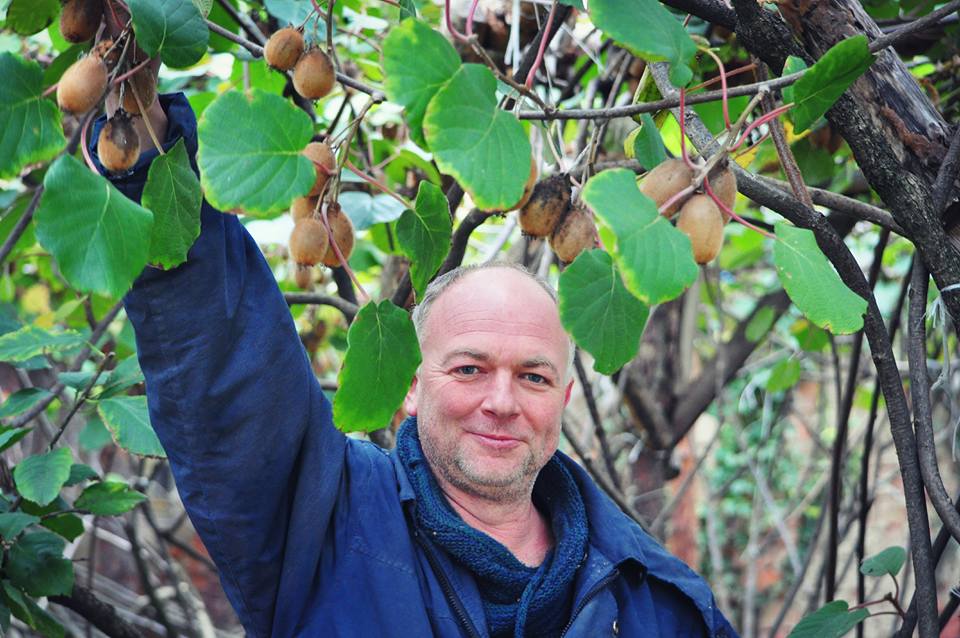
{"x":234,"y":401}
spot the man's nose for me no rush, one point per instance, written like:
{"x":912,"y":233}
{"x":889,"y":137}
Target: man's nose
{"x":500,"y":401}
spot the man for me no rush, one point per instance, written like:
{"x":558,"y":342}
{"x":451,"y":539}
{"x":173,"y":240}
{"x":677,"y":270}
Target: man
{"x":475,"y":526}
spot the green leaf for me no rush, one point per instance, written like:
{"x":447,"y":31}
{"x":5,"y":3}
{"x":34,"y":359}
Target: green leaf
{"x":128,"y":420}
{"x":417,"y":61}
{"x":408,"y":9}
{"x":95,"y":435}
{"x":37,"y":566}
{"x":827,"y":79}
{"x":27,"y":17}
{"x":12,"y":523}
{"x":576,"y":4}
{"x":126,"y":374}
{"x":598,"y":310}
{"x":382,"y":353}
{"x":655,"y":258}
{"x":812,"y":283}
{"x":365,"y":210}
{"x":30,"y":129}
{"x":250,"y":152}
{"x":424,"y":234}
{"x":40,"y":477}
{"x":22,"y":400}
{"x":649,"y":30}
{"x":80,"y":472}
{"x":69,"y":526}
{"x":98,"y":236}
{"x":173,"y":28}
{"x":647,"y":144}
{"x":172,"y":193}
{"x":760,"y":324}
{"x":30,"y":341}
{"x":481,"y":146}
{"x":10,"y":436}
{"x":108,"y":498}
{"x":784,"y":375}
{"x":791,"y":66}
{"x":830,"y":621}
{"x":24,"y":608}
{"x":889,"y":561}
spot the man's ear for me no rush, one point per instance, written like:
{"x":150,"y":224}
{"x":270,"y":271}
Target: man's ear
{"x":566,"y":393}
{"x":410,"y":401}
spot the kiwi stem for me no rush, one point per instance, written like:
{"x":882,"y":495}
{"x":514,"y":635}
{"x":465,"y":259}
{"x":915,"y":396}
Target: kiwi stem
{"x":723,"y":85}
{"x":522,"y":89}
{"x":453,"y":31}
{"x":124,"y":76}
{"x":113,"y":14}
{"x":729,"y":211}
{"x":373,"y":181}
{"x":340,"y":257}
{"x":543,"y":46}
{"x":146,"y":119}
{"x":473,"y":8}
{"x":712,"y":81}
{"x":83,"y":145}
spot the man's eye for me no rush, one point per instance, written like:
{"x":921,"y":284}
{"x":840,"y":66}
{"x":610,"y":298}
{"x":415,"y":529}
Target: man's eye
{"x":468,"y":370}
{"x":536,"y":378}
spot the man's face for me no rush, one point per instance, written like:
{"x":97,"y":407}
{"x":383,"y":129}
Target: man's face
{"x":490,"y":392}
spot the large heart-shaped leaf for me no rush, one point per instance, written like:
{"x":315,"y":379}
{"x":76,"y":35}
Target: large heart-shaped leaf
{"x":484,"y":148}
{"x":598,"y":310}
{"x":172,"y":193}
{"x":99,"y":237}
{"x":30,"y":341}
{"x":175,"y":29}
{"x":830,"y":621}
{"x":417,"y":61}
{"x":27,"y":17}
{"x":812,"y":283}
{"x":40,"y":477}
{"x":250,"y":152}
{"x":128,"y":420}
{"x":36,"y":565}
{"x":424,"y":234}
{"x":382,"y":354}
{"x":655,"y":258}
{"x":825,"y":81}
{"x":29,"y":124}
{"x":108,"y":498}
{"x":649,"y":30}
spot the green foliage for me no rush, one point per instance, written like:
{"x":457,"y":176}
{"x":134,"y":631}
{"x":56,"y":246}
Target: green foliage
{"x":172,"y":193}
{"x":30,"y":123}
{"x":250,"y":152}
{"x":889,"y":561}
{"x":129,"y":424}
{"x":27,"y":17}
{"x":12,"y":523}
{"x":813,"y":284}
{"x":108,"y":498}
{"x":598,"y":310}
{"x":22,"y":400}
{"x":174,"y":29}
{"x":37,"y":566}
{"x":830,"y":621}
{"x":423,"y":233}
{"x":30,"y":341}
{"x":382,"y":353}
{"x":784,"y":375}
{"x":824,"y":83}
{"x":35,"y":617}
{"x":655,"y":258}
{"x":40,"y":477}
{"x":645,"y":144}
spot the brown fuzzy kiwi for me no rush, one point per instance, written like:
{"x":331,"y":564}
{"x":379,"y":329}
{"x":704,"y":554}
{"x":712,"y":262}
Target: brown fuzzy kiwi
{"x":308,"y":242}
{"x":302,"y":208}
{"x":701,"y":221}
{"x":283,"y":49}
{"x":79,"y":19}
{"x":575,"y":233}
{"x":665,"y":181}
{"x":107,"y":52}
{"x":118,"y":145}
{"x":325,"y":163}
{"x":303,"y":276}
{"x":82,"y":85}
{"x":548,"y":202}
{"x":724,"y":186}
{"x":145,"y":84}
{"x":314,"y":75}
{"x":342,"y":229}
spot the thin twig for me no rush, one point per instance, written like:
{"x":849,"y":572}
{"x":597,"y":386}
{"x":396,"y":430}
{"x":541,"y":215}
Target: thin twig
{"x":84,"y":395}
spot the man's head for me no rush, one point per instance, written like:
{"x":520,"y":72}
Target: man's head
{"x":494,"y":380}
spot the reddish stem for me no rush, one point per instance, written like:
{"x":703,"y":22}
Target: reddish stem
{"x":723,"y":87}
{"x":373,"y":181}
{"x":449,"y":23}
{"x":50,"y":89}
{"x":543,"y":46}
{"x":473,"y":8}
{"x":339,"y":253}
{"x":120,"y":78}
{"x":711,"y":81}
{"x":83,"y":146}
{"x":746,"y":150}
{"x":728,"y":211}
{"x":113,"y":15}
{"x":760,"y":121}
{"x":683,"y":131}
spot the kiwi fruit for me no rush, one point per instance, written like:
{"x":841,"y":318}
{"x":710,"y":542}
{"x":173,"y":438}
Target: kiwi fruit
{"x":575,"y":233}
{"x":303,"y":276}
{"x":284,"y":48}
{"x":666,"y":180}
{"x":303,"y":207}
{"x":145,"y":85}
{"x":107,"y":52}
{"x":342,"y":230}
{"x":314,"y":75}
{"x":82,"y":85}
{"x":548,"y":202}
{"x":325,"y":163}
{"x":79,"y":19}
{"x":701,"y":221}
{"x":308,"y":242}
{"x":724,"y":186}
{"x":118,"y":145}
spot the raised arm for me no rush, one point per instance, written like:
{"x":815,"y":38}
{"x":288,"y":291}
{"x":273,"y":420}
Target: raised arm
{"x":235,"y":403}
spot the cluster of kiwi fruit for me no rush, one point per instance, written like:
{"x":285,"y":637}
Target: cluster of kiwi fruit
{"x":310,"y":242}
{"x":551,"y":212}
{"x":313,"y":72}
{"x":699,"y":217}
{"x":84,"y":83}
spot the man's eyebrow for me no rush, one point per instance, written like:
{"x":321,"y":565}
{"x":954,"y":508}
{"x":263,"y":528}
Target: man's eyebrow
{"x":540,"y":362}
{"x":463,"y":352}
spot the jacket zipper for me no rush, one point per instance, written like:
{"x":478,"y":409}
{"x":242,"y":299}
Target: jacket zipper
{"x":448,"y":590}
{"x":590,"y":596}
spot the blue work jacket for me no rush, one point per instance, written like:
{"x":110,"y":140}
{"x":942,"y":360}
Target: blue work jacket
{"x":311,"y":530}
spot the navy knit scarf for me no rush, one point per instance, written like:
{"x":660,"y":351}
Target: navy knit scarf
{"x":518,"y":600}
